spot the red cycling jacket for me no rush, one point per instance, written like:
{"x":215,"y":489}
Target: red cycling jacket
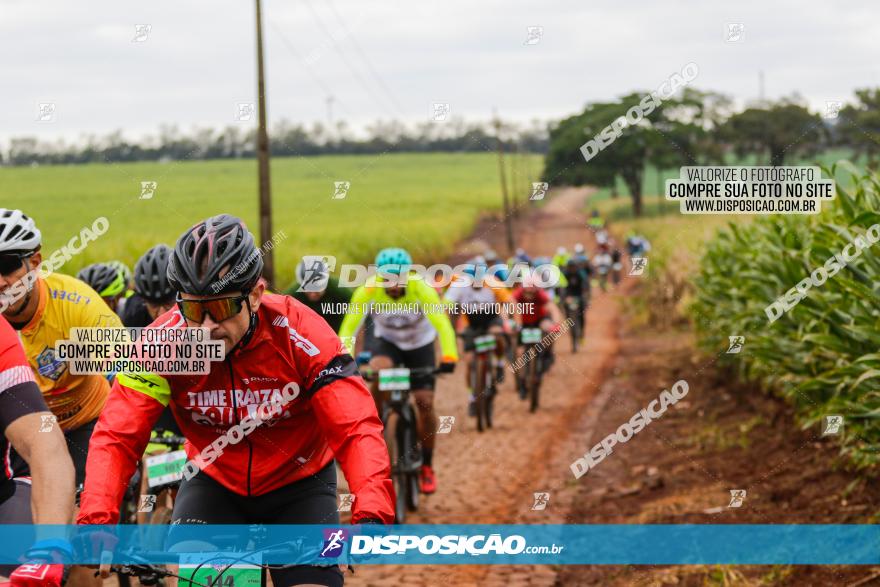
{"x":333,"y":415}
{"x":19,"y":394}
{"x":533,"y":310}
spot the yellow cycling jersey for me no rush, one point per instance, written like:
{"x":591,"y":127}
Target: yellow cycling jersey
{"x":65,"y":303}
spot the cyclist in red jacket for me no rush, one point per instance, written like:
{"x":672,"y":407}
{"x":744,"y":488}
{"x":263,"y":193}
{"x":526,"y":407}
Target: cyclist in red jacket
{"x":283,"y":471}
{"x":27,"y":425}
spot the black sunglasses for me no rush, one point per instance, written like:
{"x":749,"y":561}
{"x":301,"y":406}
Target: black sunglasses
{"x":219,"y":309}
{"x":12,"y":262}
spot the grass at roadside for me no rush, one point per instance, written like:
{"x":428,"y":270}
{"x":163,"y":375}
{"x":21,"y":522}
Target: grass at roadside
{"x":424,"y":202}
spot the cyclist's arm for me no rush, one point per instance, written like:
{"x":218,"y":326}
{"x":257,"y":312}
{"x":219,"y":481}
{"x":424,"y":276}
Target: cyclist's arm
{"x":354,"y":315}
{"x":430,"y":300}
{"x":45,"y":452}
{"x":120,"y":438}
{"x":22,"y":413}
{"x":347,"y":414}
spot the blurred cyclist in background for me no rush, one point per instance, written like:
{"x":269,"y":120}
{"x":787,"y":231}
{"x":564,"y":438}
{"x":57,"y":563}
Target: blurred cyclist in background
{"x":408,"y":317}
{"x":131,"y":307}
{"x":547,"y":272}
{"x":497,"y":267}
{"x":108,"y":281}
{"x":602,"y":262}
{"x":582,"y":259}
{"x":537,"y":311}
{"x":561,"y":257}
{"x":319,"y":290}
{"x":637,"y":245}
{"x":151,"y":283}
{"x":577,"y":286}
{"x":595,"y":223}
{"x":616,"y":261}
{"x":482,"y":305}
{"x":519,"y":256}
{"x":128,"y":279}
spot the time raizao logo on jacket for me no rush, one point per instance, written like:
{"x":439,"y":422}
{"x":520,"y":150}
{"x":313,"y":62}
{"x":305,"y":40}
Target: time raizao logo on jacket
{"x":224,"y":407}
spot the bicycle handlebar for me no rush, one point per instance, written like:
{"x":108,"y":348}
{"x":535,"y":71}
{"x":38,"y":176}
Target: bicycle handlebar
{"x":370,"y":374}
{"x":168,"y":440}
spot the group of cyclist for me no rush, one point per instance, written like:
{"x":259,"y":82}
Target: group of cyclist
{"x":284,"y":471}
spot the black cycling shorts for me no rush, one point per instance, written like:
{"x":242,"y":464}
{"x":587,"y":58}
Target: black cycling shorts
{"x":416,"y":358}
{"x":312,"y":500}
{"x":77,"y":446}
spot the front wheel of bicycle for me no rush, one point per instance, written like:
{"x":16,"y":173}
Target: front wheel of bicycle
{"x":410,"y":444}
{"x":533,"y":381}
{"x":491,"y":390}
{"x":393,"y":429}
{"x":481,"y":391}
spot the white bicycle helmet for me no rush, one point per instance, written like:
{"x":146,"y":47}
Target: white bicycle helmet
{"x":18,"y":231}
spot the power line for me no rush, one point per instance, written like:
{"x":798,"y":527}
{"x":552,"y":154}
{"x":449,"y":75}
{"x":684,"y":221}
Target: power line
{"x":353,"y":70}
{"x":289,"y":46}
{"x":363,"y":55}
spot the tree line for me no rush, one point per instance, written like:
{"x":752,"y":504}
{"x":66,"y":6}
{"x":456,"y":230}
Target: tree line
{"x":286,"y":139}
{"x":703,"y":128}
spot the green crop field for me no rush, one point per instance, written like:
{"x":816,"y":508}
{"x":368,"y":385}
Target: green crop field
{"x":424,"y":202}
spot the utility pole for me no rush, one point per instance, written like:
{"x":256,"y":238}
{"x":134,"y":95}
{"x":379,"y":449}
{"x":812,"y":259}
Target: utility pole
{"x":263,"y":160}
{"x":508,"y":221}
{"x":516,"y":180}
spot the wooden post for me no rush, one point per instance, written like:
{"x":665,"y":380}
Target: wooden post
{"x":508,"y":221}
{"x":263,"y":160}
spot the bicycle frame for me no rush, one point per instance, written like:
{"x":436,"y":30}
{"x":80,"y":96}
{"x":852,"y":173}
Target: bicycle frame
{"x":482,"y":378}
{"x":401,"y":431}
{"x":528,"y":339}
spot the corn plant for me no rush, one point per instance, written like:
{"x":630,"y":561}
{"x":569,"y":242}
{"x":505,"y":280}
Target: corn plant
{"x":824,"y":354}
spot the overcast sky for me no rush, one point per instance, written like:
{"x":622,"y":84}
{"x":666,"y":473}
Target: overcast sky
{"x":394,"y":58}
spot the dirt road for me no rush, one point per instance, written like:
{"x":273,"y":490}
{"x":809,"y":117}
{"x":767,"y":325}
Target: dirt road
{"x":491,"y":478}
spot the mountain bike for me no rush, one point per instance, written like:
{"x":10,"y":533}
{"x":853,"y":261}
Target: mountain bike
{"x":233,"y":567}
{"x":616,"y":269}
{"x":401,"y":433}
{"x":603,"y":270}
{"x":534,"y":364}
{"x":482,"y":379}
{"x":574,"y":316}
{"x":164,"y":474}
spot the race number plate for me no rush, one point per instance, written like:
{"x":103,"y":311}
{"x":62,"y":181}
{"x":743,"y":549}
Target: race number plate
{"x":393,"y":379}
{"x":484,"y":343}
{"x":216,"y":570}
{"x":531,"y":335}
{"x":165,"y":468}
